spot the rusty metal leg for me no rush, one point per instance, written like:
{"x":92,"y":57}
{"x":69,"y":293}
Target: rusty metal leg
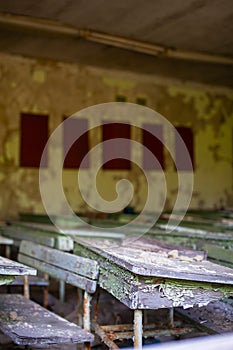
{"x":104,"y":336}
{"x":87,"y":311}
{"x":8,"y":251}
{"x":87,"y":346}
{"x":138,"y":329}
{"x":46,"y":292}
{"x":87,"y":316}
{"x":79,"y":307}
{"x":26,"y":291}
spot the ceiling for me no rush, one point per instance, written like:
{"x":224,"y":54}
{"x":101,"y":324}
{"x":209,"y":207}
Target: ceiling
{"x":203,"y":28}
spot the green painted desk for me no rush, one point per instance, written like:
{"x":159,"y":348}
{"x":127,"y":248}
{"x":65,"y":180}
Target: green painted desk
{"x":143,"y":274}
{"x":10,"y":269}
{"x":47,"y":235}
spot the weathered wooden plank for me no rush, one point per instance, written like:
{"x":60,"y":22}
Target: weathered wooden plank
{"x":200,"y":229}
{"x":154,"y":264}
{"x":27,"y":323}
{"x":39,"y":233}
{"x":93,"y":233}
{"x":193,"y":239}
{"x":152,"y":293}
{"x":66,"y":232}
{"x":196,"y":223}
{"x":149,"y":244}
{"x":69,"y":277}
{"x":6,"y":241}
{"x":219,"y":253}
{"x":14,"y":268}
{"x":66,"y":261}
{"x":64,"y":243}
{"x":17,"y":234}
{"x":29,"y":226}
{"x":207,"y":214}
{"x":69,"y":222}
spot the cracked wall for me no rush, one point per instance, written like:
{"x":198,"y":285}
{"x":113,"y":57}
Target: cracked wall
{"x":59,"y":89}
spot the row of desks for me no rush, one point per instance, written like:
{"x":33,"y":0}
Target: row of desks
{"x":218,"y":243}
{"x":142,"y":273}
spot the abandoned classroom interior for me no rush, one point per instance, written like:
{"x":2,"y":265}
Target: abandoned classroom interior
{"x":139,"y":263}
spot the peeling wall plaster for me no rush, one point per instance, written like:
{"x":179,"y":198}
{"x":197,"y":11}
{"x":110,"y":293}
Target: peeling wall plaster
{"x":58,"y":89}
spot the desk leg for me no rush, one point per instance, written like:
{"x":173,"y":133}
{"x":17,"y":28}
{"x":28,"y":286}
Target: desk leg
{"x":62,"y":291}
{"x":86,"y":311}
{"x":87,"y":316}
{"x":171,"y":317}
{"x":80,"y":307}
{"x":8,"y":251}
{"x":46,"y":292}
{"x":26,"y":291}
{"x":138,"y":329}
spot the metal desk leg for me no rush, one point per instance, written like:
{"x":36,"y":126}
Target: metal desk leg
{"x":80,"y":307}
{"x":26,"y":291}
{"x":86,"y":311}
{"x":62,"y":291}
{"x":8,"y":251}
{"x":86,"y":316}
{"x":46,"y":292}
{"x":138,"y":329}
{"x":171,"y":317}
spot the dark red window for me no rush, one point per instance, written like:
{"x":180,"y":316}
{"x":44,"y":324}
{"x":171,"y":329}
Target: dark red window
{"x":141,"y":101}
{"x":75,"y":134}
{"x":182,"y":163}
{"x":119,"y":152}
{"x":121,"y":98}
{"x":34,"y":135}
{"x":153,"y":144}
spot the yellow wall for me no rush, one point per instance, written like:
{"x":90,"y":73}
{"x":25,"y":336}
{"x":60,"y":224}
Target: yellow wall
{"x":58,"y":89}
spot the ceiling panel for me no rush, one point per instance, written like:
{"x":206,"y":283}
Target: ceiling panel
{"x":194,"y":25}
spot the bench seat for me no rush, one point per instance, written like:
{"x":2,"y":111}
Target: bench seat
{"x":28,"y":323}
{"x":77,"y":271}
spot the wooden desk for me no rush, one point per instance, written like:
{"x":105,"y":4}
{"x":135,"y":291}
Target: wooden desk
{"x":9,"y":269}
{"x":143,"y":274}
{"x":50,"y":236}
{"x":47,"y":235}
{"x":26,"y":322}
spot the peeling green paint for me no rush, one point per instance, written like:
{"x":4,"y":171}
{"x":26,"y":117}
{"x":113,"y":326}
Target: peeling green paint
{"x":6,"y":279}
{"x":193,"y":293}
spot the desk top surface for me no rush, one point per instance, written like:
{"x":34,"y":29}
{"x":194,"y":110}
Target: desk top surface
{"x":6,"y":241}
{"x":149,"y":257}
{"x":13,"y":268}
